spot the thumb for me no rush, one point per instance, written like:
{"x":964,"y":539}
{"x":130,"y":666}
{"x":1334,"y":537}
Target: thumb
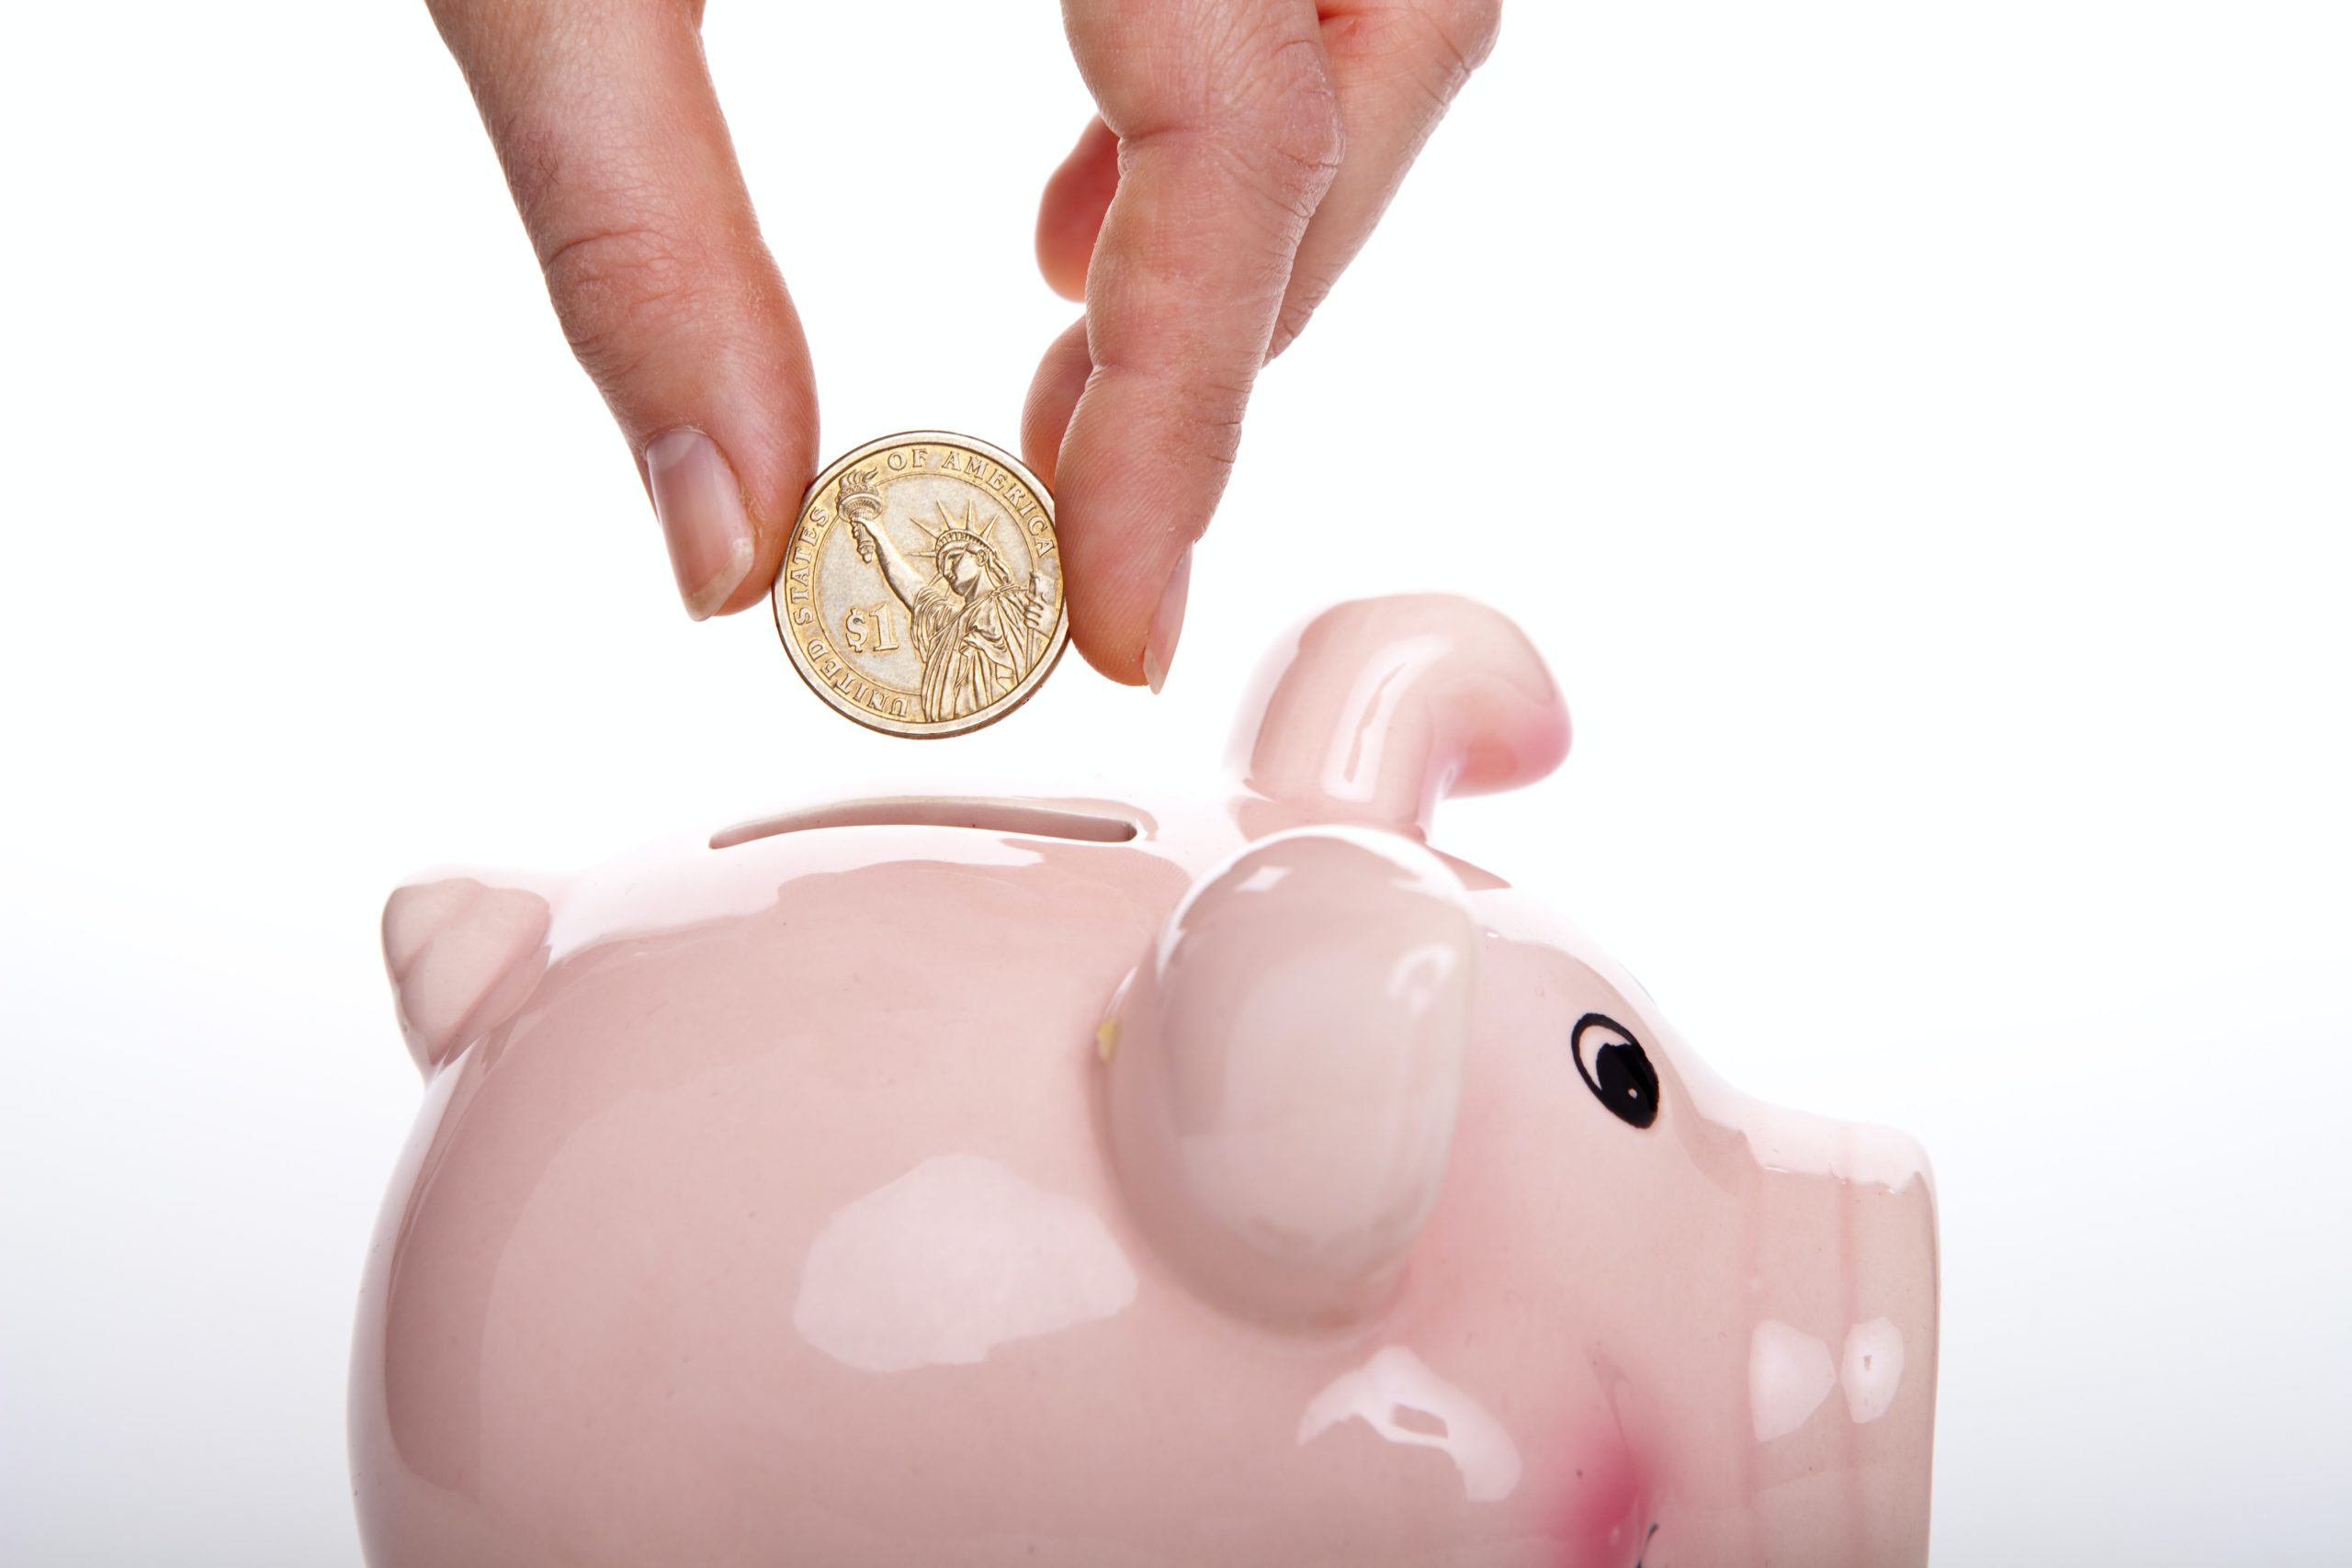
{"x":610,"y":133}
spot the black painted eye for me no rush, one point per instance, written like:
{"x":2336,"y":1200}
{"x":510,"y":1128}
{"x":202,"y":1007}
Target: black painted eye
{"x":1616,"y":1067}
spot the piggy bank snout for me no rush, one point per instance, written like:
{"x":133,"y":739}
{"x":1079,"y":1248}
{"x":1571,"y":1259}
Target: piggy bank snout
{"x":1285,"y":1071}
{"x":1839,"y":1335}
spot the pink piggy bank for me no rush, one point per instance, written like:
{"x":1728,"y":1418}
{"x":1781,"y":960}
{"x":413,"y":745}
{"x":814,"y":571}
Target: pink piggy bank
{"x":1085,"y":1184}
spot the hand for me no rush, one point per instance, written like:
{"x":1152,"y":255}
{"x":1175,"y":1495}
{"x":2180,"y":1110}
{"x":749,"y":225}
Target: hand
{"x":1216,"y":176}
{"x":1244,"y":152}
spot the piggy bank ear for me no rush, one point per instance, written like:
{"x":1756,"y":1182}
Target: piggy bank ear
{"x":462,"y":953}
{"x":1381,"y":708}
{"x":1284,"y":1068}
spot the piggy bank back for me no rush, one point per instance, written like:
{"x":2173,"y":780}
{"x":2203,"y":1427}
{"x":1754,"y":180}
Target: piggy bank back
{"x":1229,"y":1180}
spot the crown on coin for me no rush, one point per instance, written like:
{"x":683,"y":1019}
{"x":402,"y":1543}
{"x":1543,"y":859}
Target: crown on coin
{"x":957,"y":531}
{"x":859,"y":487}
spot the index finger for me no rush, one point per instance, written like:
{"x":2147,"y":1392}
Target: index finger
{"x":1228,"y":135}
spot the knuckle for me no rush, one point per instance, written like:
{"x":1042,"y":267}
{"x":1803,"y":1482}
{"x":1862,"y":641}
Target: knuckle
{"x":1283,"y":138}
{"x":1435,"y":44}
{"x":1186,"y":419}
{"x":1244,"y":90}
{"x":612,"y":289}
{"x":1292,"y":117}
{"x":1207,"y":423}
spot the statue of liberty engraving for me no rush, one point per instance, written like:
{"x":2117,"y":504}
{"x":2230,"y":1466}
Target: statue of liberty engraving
{"x":976,"y":632}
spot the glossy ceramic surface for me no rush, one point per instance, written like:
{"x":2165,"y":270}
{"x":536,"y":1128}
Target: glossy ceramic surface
{"x":1229,"y":1181}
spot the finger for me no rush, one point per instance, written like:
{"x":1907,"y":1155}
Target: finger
{"x":1228,"y":135}
{"x":1396,"y":65}
{"x":1071,"y":212}
{"x":605,"y":121}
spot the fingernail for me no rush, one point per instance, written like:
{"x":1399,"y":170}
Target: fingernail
{"x":1167,"y":622}
{"x":700,"y":504}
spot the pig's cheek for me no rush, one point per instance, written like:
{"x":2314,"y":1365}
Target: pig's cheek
{"x":1602,"y":1517}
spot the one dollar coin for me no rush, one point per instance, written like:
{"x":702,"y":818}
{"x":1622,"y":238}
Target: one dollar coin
{"x":922,"y":590}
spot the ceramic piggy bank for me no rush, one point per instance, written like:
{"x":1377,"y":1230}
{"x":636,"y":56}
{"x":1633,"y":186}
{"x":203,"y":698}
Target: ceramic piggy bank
{"x":1223,"y":1179}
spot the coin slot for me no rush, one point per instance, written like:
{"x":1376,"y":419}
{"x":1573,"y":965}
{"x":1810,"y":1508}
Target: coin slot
{"x":986,"y":815}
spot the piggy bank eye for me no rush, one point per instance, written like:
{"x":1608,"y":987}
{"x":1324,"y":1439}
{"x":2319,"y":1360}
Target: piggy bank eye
{"x":1616,"y":1067}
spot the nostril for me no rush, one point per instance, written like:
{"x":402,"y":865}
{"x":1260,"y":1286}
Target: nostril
{"x":940,"y":811}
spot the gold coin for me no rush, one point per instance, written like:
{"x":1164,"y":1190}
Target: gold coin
{"x":922,"y":590}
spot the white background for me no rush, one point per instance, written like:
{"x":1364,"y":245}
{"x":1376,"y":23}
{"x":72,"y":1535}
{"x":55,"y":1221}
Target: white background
{"x":1921,"y":437}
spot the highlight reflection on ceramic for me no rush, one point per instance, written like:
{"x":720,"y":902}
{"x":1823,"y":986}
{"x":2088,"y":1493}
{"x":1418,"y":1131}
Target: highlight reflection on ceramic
{"x":951,"y":1260}
{"x":1397,"y":1396}
{"x":1231,"y":1181}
